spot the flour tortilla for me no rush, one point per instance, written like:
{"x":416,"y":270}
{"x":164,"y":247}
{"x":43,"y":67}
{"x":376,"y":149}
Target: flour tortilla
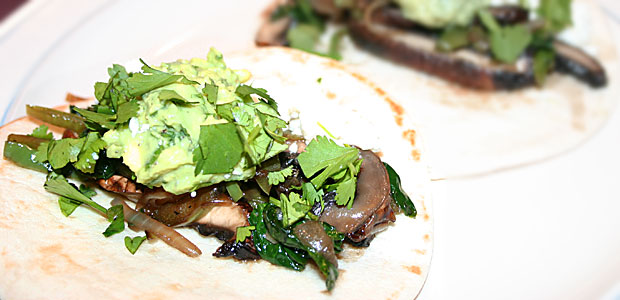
{"x":472,"y":133}
{"x":44,"y":255}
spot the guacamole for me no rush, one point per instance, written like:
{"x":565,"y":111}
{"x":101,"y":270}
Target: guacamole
{"x":440,"y":13}
{"x":158,"y":144}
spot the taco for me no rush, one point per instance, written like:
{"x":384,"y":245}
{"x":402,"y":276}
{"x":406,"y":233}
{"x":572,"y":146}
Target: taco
{"x":49,"y":255}
{"x":482,"y":113}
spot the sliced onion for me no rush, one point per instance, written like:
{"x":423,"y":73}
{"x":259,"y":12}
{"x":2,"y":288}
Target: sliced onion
{"x":140,"y":221}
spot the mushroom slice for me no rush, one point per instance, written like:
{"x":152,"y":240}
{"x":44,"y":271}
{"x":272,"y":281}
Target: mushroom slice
{"x":417,"y":50}
{"x":576,"y":62}
{"x":371,"y":206}
{"x":210,"y":211}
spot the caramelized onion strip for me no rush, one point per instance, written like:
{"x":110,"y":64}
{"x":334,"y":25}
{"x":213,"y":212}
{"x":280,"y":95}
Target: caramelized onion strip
{"x":140,"y":221}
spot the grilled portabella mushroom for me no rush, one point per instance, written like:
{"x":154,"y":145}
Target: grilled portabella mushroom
{"x":384,"y":31}
{"x":371,"y":207}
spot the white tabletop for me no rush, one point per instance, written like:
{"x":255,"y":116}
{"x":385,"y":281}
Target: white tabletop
{"x":546,"y":231}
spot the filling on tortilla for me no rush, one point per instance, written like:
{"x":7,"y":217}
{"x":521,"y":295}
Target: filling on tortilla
{"x":187,"y":144}
{"x":471,"y":43}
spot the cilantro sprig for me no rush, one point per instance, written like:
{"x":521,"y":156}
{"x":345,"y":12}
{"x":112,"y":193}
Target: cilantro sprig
{"x":308,"y":28}
{"x":324,"y":159}
{"x":330,"y":167}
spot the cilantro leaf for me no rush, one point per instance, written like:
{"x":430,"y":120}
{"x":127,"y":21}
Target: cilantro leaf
{"x":67,"y":206}
{"x":174,"y":97}
{"x":507,"y":43}
{"x":132,"y":244}
{"x":211,"y":90}
{"x":127,"y":111}
{"x":220,"y":149}
{"x":117,"y":220}
{"x":87,"y":191}
{"x":243,"y":233}
{"x":278,"y":177}
{"x":304,"y":37}
{"x":245,"y":90}
{"x":139,"y":83}
{"x":544,"y":60}
{"x":100,"y":119}
{"x":311,"y":195}
{"x":293,"y":208}
{"x":234,"y":191}
{"x":345,"y":192}
{"x":42,"y":133}
{"x":489,"y":21}
{"x":60,"y":152}
{"x":324,"y":154}
{"x":58,"y":184}
{"x":89,"y":154}
{"x":556,"y":13}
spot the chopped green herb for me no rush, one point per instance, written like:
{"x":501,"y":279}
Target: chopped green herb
{"x":334,"y":44}
{"x":245,"y":90}
{"x":57,"y":184}
{"x":293,"y":208}
{"x":211,"y":90}
{"x":42,"y":133}
{"x":96,"y":119}
{"x":127,"y":111}
{"x":67,"y":206}
{"x":89,"y":154}
{"x":345,"y":192}
{"x":489,"y":21}
{"x":117,"y":220}
{"x":132,"y":244}
{"x":304,"y":37}
{"x":60,"y":152}
{"x":556,"y":13}
{"x":244,"y":233}
{"x":544,"y":61}
{"x":311,"y":195}
{"x":277,"y":177}
{"x":324,"y":154}
{"x":220,"y":149}
{"x":174,"y":97}
{"x":234,"y":191}
{"x":87,"y":191}
{"x":508,"y":44}
{"x":453,"y":38}
{"x":139,"y":83}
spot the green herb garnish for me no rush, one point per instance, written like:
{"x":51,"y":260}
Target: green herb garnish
{"x":42,"y":133}
{"x":117,"y":220}
{"x":277,"y":177}
{"x":243,"y":233}
{"x":220,"y":149}
{"x":58,"y":184}
{"x":132,"y":244}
